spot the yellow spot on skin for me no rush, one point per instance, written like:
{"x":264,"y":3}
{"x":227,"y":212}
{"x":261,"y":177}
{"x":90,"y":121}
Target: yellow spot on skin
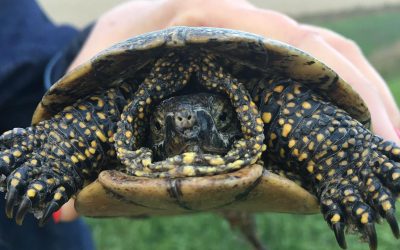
{"x":37,"y":186}
{"x":320,"y":137}
{"x":396,"y":151}
{"x":31,"y":193}
{"x":266,"y":117}
{"x":245,"y":108}
{"x":359,"y":211}
{"x":310,"y":168}
{"x":14,"y":182}
{"x":188,"y":157}
{"x":69,"y":116}
{"x":17,"y":175}
{"x":146,"y":162}
{"x":335,"y":218}
{"x":236,"y":164}
{"x":6,"y":159}
{"x":259,"y":128}
{"x":50,"y":181}
{"x":286,"y":130}
{"x":57,"y":196}
{"x":386,"y":205}
{"x":303,"y":156}
{"x":101,"y":136}
{"x":101,"y":115}
{"x":141,"y":115}
{"x":188,"y":171}
{"x":278,"y":88}
{"x":364,"y":218}
{"x":74,"y":159}
{"x":128,"y":134}
{"x":148,"y":100}
{"x":318,"y":177}
{"x":82,"y":107}
{"x":291,"y":144}
{"x":395,"y":176}
{"x":306,"y":105}
{"x":216,"y":161}
{"x":17,"y":153}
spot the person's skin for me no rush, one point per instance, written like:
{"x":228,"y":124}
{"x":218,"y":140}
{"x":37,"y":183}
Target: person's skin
{"x":341,"y":54}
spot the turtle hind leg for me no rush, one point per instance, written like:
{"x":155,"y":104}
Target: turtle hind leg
{"x":246,"y":224}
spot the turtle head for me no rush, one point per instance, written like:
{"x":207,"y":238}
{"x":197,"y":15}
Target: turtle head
{"x":202,"y":123}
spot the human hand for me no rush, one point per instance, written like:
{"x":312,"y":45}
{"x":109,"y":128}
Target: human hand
{"x":344,"y":56}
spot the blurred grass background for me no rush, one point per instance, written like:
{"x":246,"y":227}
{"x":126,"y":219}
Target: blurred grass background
{"x":378,"y":34}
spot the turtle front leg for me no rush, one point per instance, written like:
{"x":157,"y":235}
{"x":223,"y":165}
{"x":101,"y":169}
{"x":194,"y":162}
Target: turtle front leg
{"x":47,"y":163}
{"x":355,"y":174}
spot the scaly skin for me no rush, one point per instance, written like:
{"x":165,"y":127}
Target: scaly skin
{"x":46,"y":164}
{"x":354,"y":173}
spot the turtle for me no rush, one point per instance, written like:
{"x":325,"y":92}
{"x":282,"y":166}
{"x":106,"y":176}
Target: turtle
{"x":288,"y":113}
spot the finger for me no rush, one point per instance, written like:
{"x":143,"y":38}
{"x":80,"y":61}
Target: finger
{"x":68,"y":212}
{"x":353,"y":53}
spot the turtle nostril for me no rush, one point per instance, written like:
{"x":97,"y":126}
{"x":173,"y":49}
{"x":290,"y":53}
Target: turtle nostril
{"x":189,"y":117}
{"x":179,"y":118}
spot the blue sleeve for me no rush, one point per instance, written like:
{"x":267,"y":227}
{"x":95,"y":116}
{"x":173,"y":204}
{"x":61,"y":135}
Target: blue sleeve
{"x":28,"y":39}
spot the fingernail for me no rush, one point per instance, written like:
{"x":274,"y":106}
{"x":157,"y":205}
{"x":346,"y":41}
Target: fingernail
{"x":56,"y":216}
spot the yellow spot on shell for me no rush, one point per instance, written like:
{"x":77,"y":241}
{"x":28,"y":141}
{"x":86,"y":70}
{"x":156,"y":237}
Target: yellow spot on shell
{"x":31,"y":193}
{"x":286,"y":130}
{"x":335,"y":218}
{"x":359,"y":211}
{"x":320,"y":137}
{"x":396,"y":151}
{"x":188,"y":157}
{"x":245,"y":108}
{"x":318,"y":177}
{"x":259,"y":129}
{"x":364,"y":218}
{"x":266,"y":117}
{"x":148,"y":100}
{"x":69,"y":116}
{"x":310,"y":168}
{"x":17,"y":175}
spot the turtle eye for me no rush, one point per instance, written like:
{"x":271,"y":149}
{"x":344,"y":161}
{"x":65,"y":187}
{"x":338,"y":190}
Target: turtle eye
{"x":223,"y":117}
{"x":157,"y":125}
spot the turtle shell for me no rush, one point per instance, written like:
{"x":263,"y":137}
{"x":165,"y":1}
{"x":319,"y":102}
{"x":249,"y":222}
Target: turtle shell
{"x":115,"y":194}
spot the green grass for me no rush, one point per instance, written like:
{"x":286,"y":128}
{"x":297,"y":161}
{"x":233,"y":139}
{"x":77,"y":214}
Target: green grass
{"x":373,"y":32}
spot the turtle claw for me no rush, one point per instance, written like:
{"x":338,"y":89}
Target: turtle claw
{"x":370,"y":232}
{"x":10,"y":201}
{"x":338,"y":229}
{"x":50,"y":209}
{"x":391,"y":219}
{"x":24,"y":207}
